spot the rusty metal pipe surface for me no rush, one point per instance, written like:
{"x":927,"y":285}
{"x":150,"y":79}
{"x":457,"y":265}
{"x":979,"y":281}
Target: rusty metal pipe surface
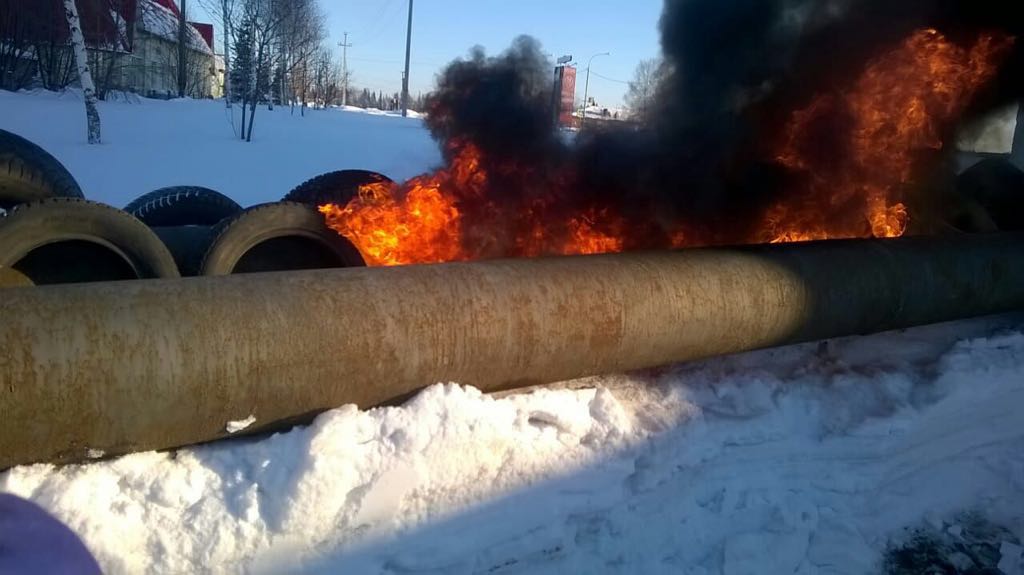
{"x":129,"y":366}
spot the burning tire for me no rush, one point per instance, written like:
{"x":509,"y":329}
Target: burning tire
{"x":277,"y":237}
{"x":335,"y":187}
{"x":998,"y":186}
{"x":183,"y":206}
{"x":71,"y":240}
{"x":28,"y":173}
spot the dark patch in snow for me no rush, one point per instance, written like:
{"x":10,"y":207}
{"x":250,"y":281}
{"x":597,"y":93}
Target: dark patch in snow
{"x":970,"y":545}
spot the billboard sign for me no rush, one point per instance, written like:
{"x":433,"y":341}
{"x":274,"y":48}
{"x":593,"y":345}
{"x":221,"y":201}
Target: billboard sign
{"x":567,"y":102}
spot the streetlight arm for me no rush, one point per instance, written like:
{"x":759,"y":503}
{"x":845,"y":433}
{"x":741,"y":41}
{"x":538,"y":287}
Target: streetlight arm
{"x":586,"y":88}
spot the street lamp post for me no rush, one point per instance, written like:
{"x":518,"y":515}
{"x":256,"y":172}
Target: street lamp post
{"x":586,"y":88}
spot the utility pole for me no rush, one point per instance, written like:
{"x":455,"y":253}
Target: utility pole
{"x":344,"y":70}
{"x":586,"y":88}
{"x":405,"y":78}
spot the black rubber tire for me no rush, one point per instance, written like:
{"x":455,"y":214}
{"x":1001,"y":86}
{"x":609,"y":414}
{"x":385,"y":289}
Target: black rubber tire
{"x":334,"y":188}
{"x":303,"y":242}
{"x":998,"y":186}
{"x":183,"y":206}
{"x":118,"y":246}
{"x":188,"y":245}
{"x":28,"y":173}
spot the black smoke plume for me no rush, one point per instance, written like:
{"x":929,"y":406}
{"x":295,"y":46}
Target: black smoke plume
{"x":737,"y":69}
{"x":500,"y":103}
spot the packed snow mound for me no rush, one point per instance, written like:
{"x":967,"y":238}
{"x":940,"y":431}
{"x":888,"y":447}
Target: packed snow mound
{"x":806,"y":459}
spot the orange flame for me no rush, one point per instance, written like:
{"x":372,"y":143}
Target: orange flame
{"x":898,"y":106}
{"x":586,"y":236}
{"x":421,"y":226}
{"x":420,"y":221}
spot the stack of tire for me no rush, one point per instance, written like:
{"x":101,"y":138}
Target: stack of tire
{"x":209,"y":234}
{"x":50,"y":234}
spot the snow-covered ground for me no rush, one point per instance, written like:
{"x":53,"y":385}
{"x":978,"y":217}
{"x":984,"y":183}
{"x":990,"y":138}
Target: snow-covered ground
{"x":808,"y":459}
{"x":150,"y":144}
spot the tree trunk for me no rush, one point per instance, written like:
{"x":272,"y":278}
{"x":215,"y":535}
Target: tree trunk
{"x":258,"y":69}
{"x":92,"y":114}
{"x":252,"y":118}
{"x":227,"y":54}
{"x":245,"y":102}
{"x":182,"y":46}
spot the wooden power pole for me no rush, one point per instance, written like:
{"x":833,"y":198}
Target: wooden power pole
{"x":405,"y":78}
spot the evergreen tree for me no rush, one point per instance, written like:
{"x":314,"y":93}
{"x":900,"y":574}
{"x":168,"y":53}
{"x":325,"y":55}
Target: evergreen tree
{"x":242,"y":70}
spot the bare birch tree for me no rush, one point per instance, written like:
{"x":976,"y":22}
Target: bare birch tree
{"x":643,"y":89}
{"x":92,"y":113}
{"x":262,"y":26}
{"x":302,"y":36}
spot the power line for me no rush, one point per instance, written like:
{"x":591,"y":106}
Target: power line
{"x":381,"y":24}
{"x":376,"y":19}
{"x":399,"y":62}
{"x":610,"y":79}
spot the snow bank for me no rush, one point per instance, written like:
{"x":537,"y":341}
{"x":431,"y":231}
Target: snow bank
{"x":807,"y":459}
{"x":150,"y":144}
{"x":378,"y":112}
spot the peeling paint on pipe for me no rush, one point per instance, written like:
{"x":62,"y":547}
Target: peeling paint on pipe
{"x":142,"y":365}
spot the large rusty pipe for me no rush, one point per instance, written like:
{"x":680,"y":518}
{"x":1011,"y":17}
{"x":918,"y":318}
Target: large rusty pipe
{"x":119,"y":367}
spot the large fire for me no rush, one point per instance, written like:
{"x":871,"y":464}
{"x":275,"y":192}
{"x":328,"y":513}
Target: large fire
{"x":895,"y":109}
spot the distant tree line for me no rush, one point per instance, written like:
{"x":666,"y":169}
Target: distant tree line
{"x":366,"y":98}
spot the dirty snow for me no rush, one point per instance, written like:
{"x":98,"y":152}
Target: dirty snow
{"x":807,"y":459}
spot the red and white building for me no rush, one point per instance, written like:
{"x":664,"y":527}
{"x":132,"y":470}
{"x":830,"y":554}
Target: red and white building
{"x":132,"y":45}
{"x":152,"y":67}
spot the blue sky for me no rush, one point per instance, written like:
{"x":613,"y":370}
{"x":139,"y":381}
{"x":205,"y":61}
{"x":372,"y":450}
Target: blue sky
{"x":446,"y":29}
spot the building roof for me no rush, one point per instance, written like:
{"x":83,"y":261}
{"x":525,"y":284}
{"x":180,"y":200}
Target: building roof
{"x":170,"y":5}
{"x":206,"y":31}
{"x":157,"y":19}
{"x":104,"y":23}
